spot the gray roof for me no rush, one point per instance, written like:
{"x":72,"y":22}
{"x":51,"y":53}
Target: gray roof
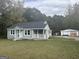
{"x":34,"y":24}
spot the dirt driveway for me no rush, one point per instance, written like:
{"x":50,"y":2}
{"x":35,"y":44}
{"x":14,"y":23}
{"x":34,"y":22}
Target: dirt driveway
{"x":76,"y":38}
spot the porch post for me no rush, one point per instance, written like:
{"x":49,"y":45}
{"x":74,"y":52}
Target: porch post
{"x":37,"y":33}
{"x":32,"y":36}
{"x":15,"y":35}
{"x":43,"y":33}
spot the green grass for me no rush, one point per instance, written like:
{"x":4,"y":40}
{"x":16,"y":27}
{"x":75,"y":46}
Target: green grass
{"x":56,"y":48}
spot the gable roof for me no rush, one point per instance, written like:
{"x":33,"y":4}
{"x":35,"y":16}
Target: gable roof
{"x":34,"y":24}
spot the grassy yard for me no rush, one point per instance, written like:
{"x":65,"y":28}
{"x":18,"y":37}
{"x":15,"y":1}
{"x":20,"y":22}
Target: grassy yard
{"x":55,"y":48}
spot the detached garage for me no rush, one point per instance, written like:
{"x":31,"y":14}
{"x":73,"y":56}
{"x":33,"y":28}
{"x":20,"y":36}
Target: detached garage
{"x":70,"y":32}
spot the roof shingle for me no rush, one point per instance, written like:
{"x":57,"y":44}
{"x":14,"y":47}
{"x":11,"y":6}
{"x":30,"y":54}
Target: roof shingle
{"x":34,"y":24}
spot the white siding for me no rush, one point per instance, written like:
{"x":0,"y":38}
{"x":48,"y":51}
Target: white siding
{"x":66,"y":32}
{"x":27,"y":36}
{"x":31,"y":36}
{"x":48,"y":31}
{"x":9,"y":35}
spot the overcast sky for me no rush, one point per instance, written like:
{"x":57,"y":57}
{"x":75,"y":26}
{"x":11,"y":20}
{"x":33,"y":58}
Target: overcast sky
{"x":50,"y":7}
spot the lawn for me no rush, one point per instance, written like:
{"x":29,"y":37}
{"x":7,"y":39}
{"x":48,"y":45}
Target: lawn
{"x":55,"y":48}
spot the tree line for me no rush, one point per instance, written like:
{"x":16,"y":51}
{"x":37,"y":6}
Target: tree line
{"x":13,"y":12}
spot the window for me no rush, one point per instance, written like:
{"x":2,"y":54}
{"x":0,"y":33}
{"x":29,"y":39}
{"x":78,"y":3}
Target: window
{"x":12,"y":32}
{"x":27,"y":32}
{"x":35,"y":31}
{"x":40,"y":31}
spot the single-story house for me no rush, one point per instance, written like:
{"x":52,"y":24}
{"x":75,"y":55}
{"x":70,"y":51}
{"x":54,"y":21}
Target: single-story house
{"x":30,"y":30}
{"x":70,"y":32}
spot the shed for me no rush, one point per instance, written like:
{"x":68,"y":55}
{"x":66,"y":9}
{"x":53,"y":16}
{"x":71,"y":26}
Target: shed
{"x":70,"y":32}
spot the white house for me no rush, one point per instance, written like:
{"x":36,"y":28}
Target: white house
{"x":32,"y":30}
{"x":70,"y":32}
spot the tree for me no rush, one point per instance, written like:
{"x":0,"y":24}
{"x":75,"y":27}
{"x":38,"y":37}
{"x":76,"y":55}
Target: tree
{"x":33,"y":14}
{"x":72,"y":19}
{"x":16,"y":13}
{"x":56,"y":23}
{"x":5,"y":6}
{"x":10,"y":13}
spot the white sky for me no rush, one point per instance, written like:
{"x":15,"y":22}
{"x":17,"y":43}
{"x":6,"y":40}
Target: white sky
{"x":50,"y":7}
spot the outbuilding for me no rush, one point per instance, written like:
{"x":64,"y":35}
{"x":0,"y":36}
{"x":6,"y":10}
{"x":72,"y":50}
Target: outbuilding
{"x":70,"y":32}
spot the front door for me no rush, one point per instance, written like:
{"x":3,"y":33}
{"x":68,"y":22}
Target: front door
{"x":17,"y":33}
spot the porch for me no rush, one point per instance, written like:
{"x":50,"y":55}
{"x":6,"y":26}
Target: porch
{"x":39,"y":34}
{"x":30,"y":34}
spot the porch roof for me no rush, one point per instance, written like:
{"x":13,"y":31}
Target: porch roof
{"x":34,"y":24}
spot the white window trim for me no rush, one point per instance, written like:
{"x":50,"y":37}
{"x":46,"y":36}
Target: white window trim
{"x":27,"y":32}
{"x":12,"y":31}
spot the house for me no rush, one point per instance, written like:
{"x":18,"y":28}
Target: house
{"x":70,"y":32}
{"x":32,"y":30}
